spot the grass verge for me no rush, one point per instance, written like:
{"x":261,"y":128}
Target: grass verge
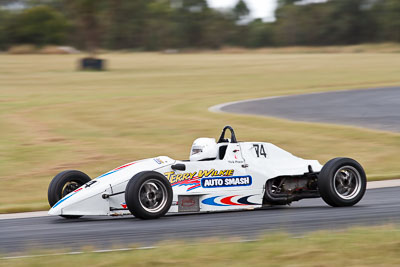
{"x":372,"y":246}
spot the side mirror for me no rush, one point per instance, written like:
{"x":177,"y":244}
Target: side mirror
{"x":179,"y":167}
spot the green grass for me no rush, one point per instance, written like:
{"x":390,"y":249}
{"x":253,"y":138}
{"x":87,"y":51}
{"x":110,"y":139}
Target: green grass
{"x":53,"y":117}
{"x":377,"y":246}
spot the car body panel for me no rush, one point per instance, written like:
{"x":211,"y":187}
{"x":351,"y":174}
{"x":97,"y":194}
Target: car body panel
{"x":235,"y":180}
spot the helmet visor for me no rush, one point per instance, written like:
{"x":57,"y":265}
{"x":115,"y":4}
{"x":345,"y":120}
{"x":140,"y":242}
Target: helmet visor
{"x":196,"y":150}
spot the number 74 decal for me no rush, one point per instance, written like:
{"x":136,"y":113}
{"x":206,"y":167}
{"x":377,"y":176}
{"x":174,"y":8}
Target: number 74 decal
{"x":260,"y":151}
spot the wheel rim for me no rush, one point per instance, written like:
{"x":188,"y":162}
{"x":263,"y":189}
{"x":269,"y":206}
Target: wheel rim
{"x":69,"y":187}
{"x":153,"y":195}
{"x":347,"y":182}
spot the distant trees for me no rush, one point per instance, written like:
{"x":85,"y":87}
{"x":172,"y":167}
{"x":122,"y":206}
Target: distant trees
{"x":241,"y":10}
{"x":158,"y":24}
{"x":3,"y":29}
{"x":259,"y":34}
{"x":388,"y":19}
{"x":38,"y":25}
{"x":85,"y":15}
{"x":162,"y":24}
{"x":334,"y":22}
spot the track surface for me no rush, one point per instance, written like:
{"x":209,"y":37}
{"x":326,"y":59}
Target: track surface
{"x":377,"y":108}
{"x":378,"y":206}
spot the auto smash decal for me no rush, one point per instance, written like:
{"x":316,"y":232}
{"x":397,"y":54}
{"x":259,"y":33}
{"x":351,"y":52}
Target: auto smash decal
{"x":193,"y":179}
{"x":226,"y":181}
{"x":223,"y":201}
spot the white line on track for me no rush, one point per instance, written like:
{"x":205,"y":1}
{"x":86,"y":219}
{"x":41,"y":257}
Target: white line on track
{"x":112,"y":250}
{"x":70,"y":253}
{"x":383,"y":184}
{"x":106,"y":250}
{"x":218,"y":108}
{"x":78,"y":252}
{"x":23,"y":215}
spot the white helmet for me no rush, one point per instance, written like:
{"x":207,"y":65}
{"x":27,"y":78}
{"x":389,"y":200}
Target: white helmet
{"x":204,"y":148}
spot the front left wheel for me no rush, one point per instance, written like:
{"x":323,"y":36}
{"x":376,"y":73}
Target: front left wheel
{"x":148,"y":195}
{"x":64,"y":183}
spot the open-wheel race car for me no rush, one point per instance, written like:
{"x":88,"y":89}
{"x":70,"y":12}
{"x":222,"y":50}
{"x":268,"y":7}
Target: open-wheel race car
{"x":220,"y":175}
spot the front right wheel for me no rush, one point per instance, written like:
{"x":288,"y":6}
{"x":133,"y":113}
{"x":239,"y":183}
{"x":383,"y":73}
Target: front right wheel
{"x":342,"y":182}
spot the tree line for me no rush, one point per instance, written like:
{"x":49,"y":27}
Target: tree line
{"x":165,"y":24}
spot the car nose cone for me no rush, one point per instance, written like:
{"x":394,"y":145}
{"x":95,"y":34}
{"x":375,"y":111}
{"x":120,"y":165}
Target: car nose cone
{"x":55,"y":211}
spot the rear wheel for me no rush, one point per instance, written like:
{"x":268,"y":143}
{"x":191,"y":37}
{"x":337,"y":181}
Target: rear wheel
{"x":64,"y":183}
{"x":148,"y":195}
{"x":342,"y":182}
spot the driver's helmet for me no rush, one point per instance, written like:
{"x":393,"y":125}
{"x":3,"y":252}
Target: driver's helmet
{"x":204,"y":148}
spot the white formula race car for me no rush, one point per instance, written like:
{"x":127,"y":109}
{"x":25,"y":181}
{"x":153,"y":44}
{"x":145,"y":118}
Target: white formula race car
{"x":220,"y":176}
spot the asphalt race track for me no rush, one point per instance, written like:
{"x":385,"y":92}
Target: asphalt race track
{"x":377,"y":108}
{"x":377,"y":207}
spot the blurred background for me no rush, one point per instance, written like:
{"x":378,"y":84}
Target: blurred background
{"x":187,"y":24}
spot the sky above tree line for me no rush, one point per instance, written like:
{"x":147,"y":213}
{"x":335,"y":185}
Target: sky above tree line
{"x":264,"y":9}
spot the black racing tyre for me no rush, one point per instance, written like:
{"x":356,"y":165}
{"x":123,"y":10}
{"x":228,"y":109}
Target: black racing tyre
{"x":64,"y":183}
{"x":148,"y":195}
{"x":342,"y":182}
